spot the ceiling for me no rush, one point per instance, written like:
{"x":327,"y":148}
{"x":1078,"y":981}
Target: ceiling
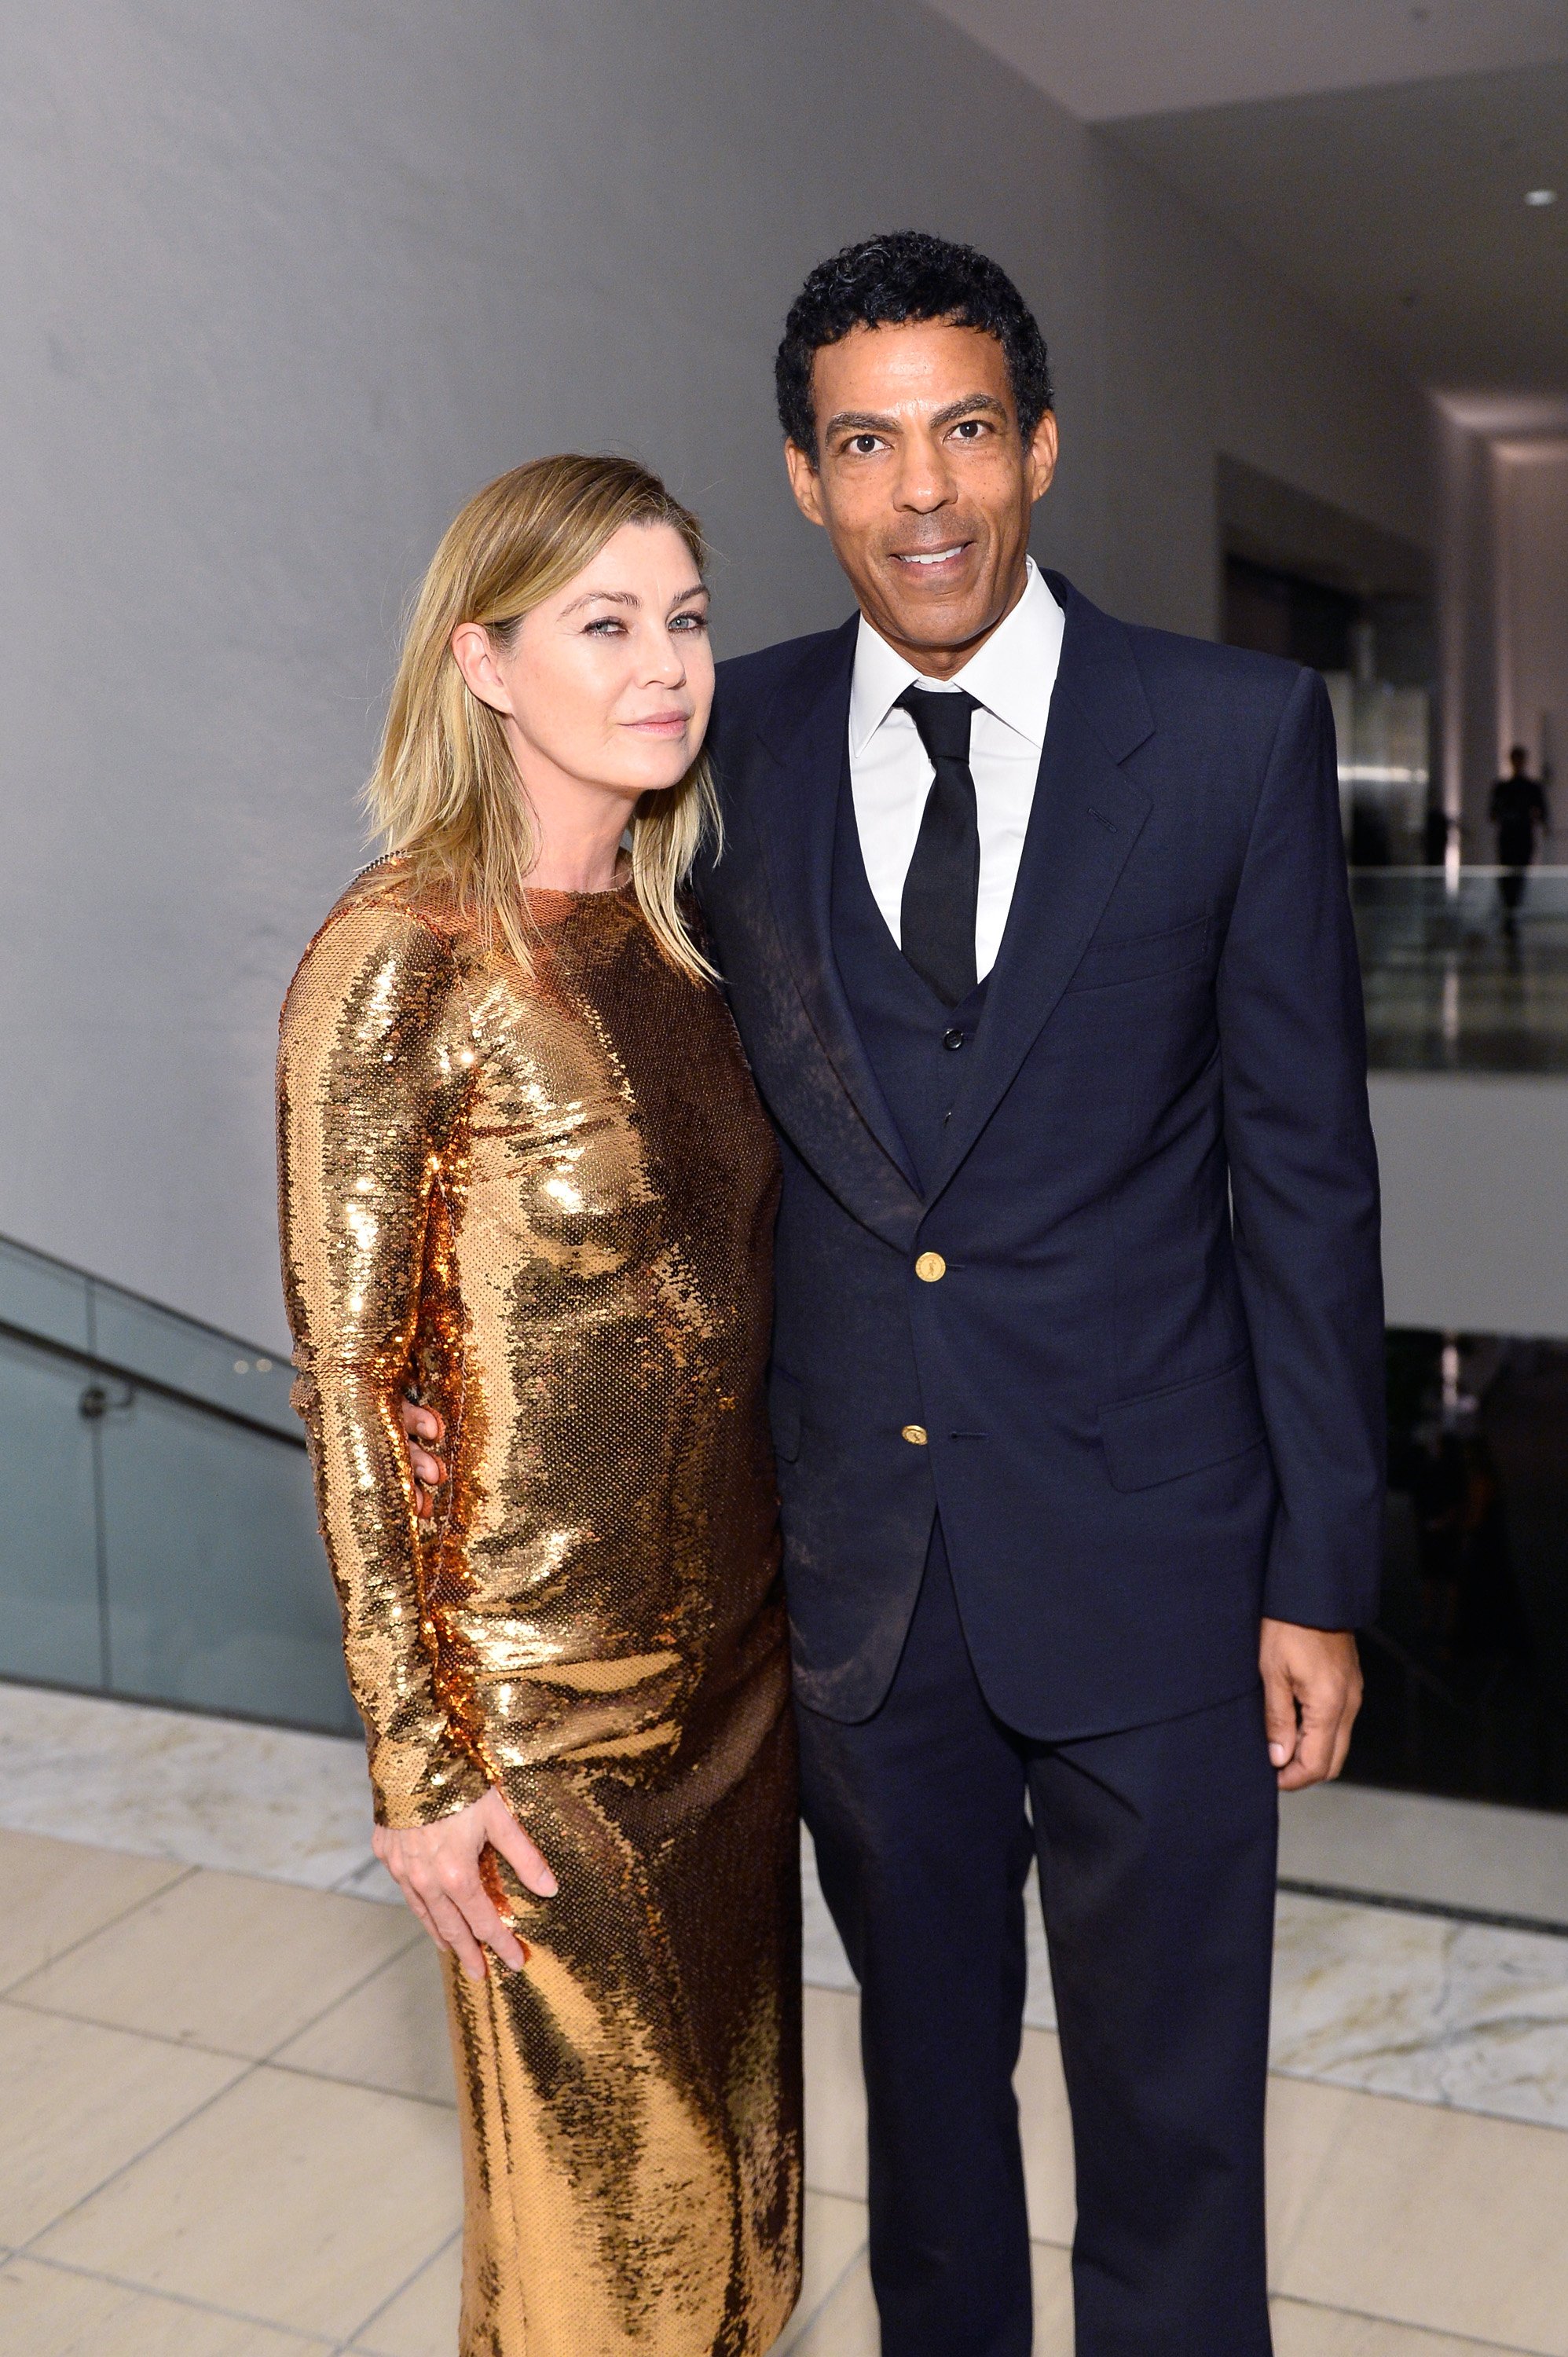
{"x":1377,"y":152}
{"x":1104,"y":60}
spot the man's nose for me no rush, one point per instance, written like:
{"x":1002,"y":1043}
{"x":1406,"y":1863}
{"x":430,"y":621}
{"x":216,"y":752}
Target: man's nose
{"x":925,"y":479}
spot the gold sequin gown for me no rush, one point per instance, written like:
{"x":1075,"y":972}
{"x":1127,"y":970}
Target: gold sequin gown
{"x":548,"y":1202}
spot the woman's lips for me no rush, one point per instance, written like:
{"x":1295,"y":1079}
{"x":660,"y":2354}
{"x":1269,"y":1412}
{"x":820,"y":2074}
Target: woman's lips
{"x":662,"y":723}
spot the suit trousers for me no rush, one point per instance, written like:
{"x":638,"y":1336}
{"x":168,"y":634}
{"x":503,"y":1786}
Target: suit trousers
{"x":1157,"y":1852}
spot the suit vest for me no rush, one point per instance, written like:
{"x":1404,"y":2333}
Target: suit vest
{"x":916,"y":1046}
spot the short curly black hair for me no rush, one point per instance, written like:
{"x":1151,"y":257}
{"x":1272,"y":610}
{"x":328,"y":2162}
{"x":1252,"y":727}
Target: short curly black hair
{"x":906,"y":274}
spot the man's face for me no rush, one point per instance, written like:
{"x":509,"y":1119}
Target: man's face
{"x":924,"y":483}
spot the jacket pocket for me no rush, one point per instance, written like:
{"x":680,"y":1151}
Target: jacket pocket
{"x":784,"y":1415}
{"x":1141,"y":956}
{"x":1168,"y":1433}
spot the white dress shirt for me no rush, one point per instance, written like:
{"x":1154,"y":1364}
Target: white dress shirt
{"x":1011,"y":678}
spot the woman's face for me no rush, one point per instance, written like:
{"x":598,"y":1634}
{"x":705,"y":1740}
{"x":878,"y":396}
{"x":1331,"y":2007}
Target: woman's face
{"x":609,"y":683}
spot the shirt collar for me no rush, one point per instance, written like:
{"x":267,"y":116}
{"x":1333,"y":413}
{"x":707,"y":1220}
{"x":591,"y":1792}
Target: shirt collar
{"x":1011,"y":675}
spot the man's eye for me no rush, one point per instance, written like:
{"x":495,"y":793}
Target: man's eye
{"x":863,"y":445}
{"x":971,"y":428}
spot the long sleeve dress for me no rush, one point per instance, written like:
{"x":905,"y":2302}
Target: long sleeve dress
{"x":545,"y":1202}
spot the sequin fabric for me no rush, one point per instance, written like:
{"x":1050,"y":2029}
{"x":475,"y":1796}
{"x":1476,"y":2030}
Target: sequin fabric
{"x":547,"y":1202}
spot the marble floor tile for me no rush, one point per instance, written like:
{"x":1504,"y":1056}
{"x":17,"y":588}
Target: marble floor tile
{"x":54,"y":1894}
{"x":1053,"y":2301}
{"x":1046,"y":2129}
{"x":1303,"y":2127}
{"x":79,"y":2103}
{"x":168,"y":1783}
{"x":47,"y":2312}
{"x":845,"y":2324}
{"x":834,"y":2240}
{"x":297,"y":2200}
{"x":835,"y":2094}
{"x":1408,"y":1844}
{"x":1301,"y":2331}
{"x":224,"y":1961}
{"x":1441,"y":2220}
{"x":391,"y":2032}
{"x":422,"y":2319}
{"x":1414,"y":2006}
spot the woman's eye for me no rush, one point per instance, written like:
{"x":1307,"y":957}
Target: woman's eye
{"x":604,"y":628}
{"x":688,"y":622}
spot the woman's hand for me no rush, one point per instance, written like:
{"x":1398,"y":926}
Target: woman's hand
{"x":436,"y":1867}
{"x":423,"y":1432}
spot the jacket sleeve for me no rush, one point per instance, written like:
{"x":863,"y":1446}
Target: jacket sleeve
{"x":374,"y":1069}
{"x":1304,"y":1178}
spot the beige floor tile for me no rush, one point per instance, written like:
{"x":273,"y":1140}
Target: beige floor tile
{"x":1053,"y":2301}
{"x":1329,"y":2332}
{"x":1044,"y":2125}
{"x":47,"y":2313}
{"x":1305,"y":2124}
{"x":78,"y":2102}
{"x":835,"y":2236}
{"x":1440,"y":2219}
{"x":225,"y":1961}
{"x":835,"y":2094}
{"x":846,"y":2326}
{"x":390,"y":2033}
{"x":421,"y":2322}
{"x":54,"y":1894}
{"x":291,"y":2199}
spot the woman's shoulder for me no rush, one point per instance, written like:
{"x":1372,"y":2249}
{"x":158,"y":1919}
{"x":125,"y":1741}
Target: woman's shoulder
{"x":388,"y":930}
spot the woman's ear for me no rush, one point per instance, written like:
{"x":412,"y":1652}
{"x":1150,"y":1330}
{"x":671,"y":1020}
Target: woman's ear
{"x":473,"y":652}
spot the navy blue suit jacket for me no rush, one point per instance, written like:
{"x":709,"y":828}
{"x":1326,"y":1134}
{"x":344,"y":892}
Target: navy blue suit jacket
{"x":1152,"y":1376}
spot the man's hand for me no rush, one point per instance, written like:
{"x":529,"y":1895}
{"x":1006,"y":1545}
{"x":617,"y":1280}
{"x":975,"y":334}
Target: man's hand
{"x":1312,"y":1692}
{"x":425,"y":1431}
{"x":436,"y":1867}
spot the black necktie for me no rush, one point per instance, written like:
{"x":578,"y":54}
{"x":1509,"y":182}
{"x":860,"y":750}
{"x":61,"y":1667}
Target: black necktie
{"x":943,"y":888}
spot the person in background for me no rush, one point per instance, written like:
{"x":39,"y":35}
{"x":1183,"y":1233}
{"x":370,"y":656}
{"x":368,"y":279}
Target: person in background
{"x":1518,"y":812}
{"x":522,"y":1169}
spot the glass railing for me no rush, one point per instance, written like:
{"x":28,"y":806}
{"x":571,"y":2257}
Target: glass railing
{"x":1465,"y":969}
{"x":160,"y":1539}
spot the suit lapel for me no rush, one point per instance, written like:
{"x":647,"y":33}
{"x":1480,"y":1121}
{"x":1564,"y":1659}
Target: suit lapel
{"x":1084,"y":821}
{"x":806,"y":732}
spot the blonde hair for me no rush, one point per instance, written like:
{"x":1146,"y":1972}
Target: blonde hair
{"x":444,"y":791}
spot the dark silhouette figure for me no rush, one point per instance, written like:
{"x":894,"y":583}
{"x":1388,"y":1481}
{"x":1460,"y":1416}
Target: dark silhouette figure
{"x":1518,"y":812}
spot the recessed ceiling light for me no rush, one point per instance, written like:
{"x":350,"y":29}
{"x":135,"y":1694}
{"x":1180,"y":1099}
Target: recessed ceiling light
{"x":1540,"y":196}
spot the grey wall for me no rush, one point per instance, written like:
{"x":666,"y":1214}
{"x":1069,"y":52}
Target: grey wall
{"x":281,"y":283}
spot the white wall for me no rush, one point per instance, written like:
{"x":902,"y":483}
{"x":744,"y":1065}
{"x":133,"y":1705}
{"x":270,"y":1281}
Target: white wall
{"x":1473,"y":1170}
{"x":1532,"y":528}
{"x":282,"y":283}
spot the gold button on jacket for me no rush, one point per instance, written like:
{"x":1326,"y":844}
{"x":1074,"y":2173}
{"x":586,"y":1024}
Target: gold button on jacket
{"x":916,"y":1434}
{"x":930,"y":1267}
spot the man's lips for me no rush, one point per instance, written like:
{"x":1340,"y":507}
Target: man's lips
{"x":932,"y":562}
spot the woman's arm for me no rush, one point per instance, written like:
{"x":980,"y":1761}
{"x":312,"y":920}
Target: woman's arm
{"x":374,"y":1070}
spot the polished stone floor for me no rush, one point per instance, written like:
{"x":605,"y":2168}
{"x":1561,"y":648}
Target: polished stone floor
{"x":1449,"y":987}
{"x":225,"y":2103}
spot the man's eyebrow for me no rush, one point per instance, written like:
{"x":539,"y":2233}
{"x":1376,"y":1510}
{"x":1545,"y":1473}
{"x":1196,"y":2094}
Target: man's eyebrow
{"x":866,"y":420}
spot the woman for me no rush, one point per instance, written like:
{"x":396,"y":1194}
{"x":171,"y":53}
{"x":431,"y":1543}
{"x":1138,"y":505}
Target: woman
{"x":523,"y":1172}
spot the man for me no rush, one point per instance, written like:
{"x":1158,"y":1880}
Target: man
{"x":1037,"y":933}
{"x":1518,"y":810}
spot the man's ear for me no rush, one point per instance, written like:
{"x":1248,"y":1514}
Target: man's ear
{"x":805,"y":482}
{"x":1042,"y":455}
